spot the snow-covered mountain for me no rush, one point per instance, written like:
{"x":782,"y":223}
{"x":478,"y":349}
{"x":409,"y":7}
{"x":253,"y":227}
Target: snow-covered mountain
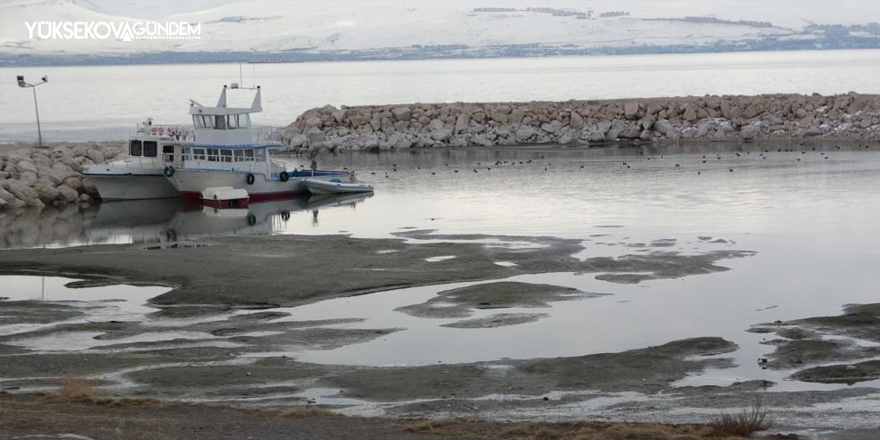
{"x":357,"y":25}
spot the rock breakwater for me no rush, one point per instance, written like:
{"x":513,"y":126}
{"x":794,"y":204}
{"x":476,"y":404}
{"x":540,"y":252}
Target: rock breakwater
{"x":722,"y":118}
{"x":31,"y":177}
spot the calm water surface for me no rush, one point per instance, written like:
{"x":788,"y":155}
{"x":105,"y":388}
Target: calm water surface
{"x":812,"y":222}
{"x":88,"y":103}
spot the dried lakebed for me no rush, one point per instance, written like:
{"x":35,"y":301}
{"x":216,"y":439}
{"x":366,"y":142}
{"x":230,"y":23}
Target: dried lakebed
{"x":512,"y":327}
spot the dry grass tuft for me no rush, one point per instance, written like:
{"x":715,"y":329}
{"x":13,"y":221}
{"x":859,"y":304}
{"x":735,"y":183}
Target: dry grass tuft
{"x":560,"y":431}
{"x":308,"y":411}
{"x":743,"y":424}
{"x":426,"y":426}
{"x":77,"y":389}
{"x":126,"y":402}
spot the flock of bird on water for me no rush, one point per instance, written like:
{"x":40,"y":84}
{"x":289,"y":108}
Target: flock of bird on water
{"x":718,"y":156}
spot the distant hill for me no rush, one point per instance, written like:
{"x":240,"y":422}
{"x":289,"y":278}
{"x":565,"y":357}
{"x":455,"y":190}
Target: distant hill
{"x":305,"y":30}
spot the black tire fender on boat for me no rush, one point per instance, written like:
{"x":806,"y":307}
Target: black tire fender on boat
{"x":285,"y":215}
{"x":169,"y":171}
{"x":284,"y":176}
{"x":251,"y":219}
{"x":250,"y":179}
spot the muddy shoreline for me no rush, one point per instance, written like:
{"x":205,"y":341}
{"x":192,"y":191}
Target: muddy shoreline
{"x":212,"y":274}
{"x":239,"y":357}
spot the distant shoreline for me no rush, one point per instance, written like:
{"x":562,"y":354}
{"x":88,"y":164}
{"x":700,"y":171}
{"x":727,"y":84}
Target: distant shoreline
{"x":452,"y":52}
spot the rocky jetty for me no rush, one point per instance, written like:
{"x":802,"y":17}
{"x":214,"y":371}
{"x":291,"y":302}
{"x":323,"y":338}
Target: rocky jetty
{"x":710,"y":118}
{"x":37,"y":177}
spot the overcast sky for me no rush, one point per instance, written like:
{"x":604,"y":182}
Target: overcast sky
{"x":864,"y":10}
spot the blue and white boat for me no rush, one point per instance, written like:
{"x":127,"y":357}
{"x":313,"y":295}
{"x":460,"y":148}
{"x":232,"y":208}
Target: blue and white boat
{"x":227,"y":151}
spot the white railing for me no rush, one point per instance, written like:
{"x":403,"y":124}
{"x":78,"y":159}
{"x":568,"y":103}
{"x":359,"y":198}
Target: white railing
{"x":260,"y":134}
{"x":180,"y":133}
{"x":264,"y":134}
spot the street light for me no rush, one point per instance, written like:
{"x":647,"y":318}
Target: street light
{"x":23,"y":84}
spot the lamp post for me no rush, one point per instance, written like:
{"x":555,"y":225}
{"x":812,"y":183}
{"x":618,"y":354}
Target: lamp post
{"x":23,"y":84}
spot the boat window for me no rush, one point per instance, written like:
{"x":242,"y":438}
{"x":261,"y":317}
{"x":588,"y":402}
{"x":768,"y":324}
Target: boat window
{"x":244,"y":120}
{"x":249,"y":155}
{"x":203,"y":121}
{"x":232,"y":122}
{"x":199,"y":153}
{"x":226,"y":155}
{"x":168,"y":152}
{"x":212,"y":155}
{"x":239,"y":155}
{"x":135,"y":148}
{"x":219,"y":122}
{"x":151,"y":148}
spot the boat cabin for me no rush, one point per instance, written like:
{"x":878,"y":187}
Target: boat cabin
{"x":225,"y":139}
{"x":139,"y":147}
{"x":227,"y":126}
{"x":157,"y":145}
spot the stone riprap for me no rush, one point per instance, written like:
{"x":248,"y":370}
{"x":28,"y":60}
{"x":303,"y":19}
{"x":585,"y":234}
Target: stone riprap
{"x":723,"y":118}
{"x":37,"y":177}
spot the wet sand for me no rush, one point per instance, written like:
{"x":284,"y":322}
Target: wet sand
{"x":94,"y":418}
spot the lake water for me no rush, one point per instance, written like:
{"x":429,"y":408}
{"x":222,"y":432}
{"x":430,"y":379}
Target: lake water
{"x":105,"y":102}
{"x":809,"y":215}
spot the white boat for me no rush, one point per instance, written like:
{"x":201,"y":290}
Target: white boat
{"x":336,"y":186}
{"x":138,"y":174}
{"x":227,"y":150}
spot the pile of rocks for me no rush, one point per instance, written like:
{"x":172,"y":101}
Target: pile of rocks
{"x":31,"y":177}
{"x":723,"y":118}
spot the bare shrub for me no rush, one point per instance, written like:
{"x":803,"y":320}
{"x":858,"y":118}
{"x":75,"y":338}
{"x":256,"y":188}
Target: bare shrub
{"x":745,"y":423}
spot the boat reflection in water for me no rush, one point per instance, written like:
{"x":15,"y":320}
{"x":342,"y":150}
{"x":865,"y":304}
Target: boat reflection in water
{"x":170,"y":221}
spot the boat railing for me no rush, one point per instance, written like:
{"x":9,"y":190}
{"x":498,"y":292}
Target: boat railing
{"x":265,"y":134}
{"x":180,"y":133}
{"x":213,"y":165}
{"x":260,"y":134}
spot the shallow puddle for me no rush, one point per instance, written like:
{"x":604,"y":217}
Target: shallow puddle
{"x":439,"y":259}
{"x":119,"y":303}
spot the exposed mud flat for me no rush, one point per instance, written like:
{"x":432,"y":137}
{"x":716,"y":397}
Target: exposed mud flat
{"x":459,"y":303}
{"x":216,"y":336}
{"x":498,"y":320}
{"x":212,"y":275}
{"x":216,"y":333}
{"x":828,"y":349}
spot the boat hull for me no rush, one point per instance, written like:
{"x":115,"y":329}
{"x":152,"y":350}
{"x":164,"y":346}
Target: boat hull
{"x":191,"y":183}
{"x":133,"y":187}
{"x":224,"y":204}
